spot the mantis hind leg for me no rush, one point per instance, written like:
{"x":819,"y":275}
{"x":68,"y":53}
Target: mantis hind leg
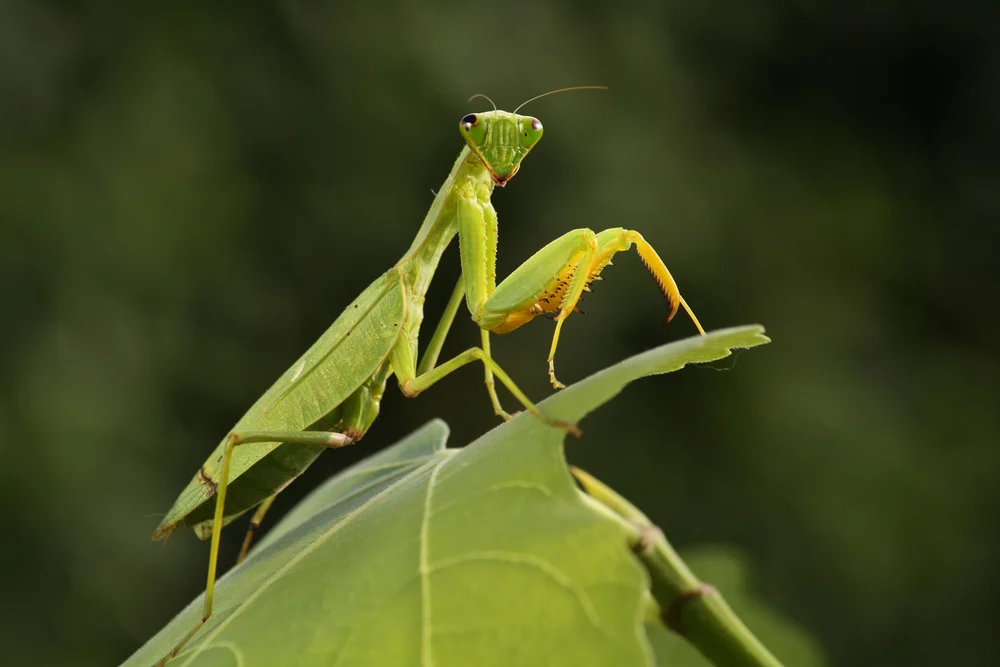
{"x":321,"y":438}
{"x":552,"y":281}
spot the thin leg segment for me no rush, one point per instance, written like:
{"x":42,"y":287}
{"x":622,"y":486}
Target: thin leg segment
{"x":411,"y":384}
{"x":258,"y":518}
{"x":414,"y":385}
{"x":322,"y":438}
{"x":429,"y":360}
{"x":491,"y":388}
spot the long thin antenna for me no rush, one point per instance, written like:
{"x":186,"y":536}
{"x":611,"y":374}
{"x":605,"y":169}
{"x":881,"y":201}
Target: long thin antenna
{"x":484,"y":97}
{"x":561,"y":90}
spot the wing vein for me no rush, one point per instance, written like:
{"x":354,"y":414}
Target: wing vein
{"x":308,"y":370}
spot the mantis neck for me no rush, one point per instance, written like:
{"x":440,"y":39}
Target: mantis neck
{"x":468,"y":177}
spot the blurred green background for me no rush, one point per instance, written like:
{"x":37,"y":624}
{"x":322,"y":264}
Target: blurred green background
{"x":191,"y":192}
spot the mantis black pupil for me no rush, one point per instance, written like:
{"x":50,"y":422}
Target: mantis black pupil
{"x":469,"y":120}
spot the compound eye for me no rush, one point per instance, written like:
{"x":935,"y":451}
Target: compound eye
{"x":536,"y":124}
{"x":469,"y":121}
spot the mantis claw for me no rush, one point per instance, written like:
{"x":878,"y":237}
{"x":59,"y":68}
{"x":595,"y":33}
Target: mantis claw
{"x":552,"y":376}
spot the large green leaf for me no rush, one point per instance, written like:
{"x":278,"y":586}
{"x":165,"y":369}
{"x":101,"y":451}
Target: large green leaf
{"x":432,"y":556}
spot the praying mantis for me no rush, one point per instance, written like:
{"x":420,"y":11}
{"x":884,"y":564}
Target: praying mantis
{"x":330,"y":396}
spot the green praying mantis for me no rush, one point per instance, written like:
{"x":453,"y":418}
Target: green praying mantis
{"x":330,"y":396}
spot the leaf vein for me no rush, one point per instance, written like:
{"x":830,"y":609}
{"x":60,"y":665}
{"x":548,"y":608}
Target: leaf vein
{"x":542,"y":565}
{"x":426,"y":628}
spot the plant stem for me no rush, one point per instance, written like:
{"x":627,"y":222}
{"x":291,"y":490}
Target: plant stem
{"x":692,"y":609}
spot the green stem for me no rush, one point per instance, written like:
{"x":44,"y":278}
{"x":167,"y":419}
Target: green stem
{"x":692,"y":609}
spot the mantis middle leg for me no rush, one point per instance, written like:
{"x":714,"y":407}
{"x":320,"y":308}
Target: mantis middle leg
{"x":414,"y":379}
{"x":429,"y":359}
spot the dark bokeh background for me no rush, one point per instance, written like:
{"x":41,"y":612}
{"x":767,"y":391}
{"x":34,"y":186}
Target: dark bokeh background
{"x":190,"y":194}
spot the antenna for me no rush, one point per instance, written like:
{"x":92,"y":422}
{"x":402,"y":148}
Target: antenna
{"x":484,"y":97}
{"x":561,"y":90}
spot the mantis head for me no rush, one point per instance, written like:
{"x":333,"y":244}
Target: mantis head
{"x":501,"y":140}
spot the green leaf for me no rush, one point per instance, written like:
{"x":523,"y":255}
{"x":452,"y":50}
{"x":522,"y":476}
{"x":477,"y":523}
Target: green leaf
{"x":424,"y":555}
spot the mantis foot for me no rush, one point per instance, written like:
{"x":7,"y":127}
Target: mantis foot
{"x":552,"y":376}
{"x":569,"y":427}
